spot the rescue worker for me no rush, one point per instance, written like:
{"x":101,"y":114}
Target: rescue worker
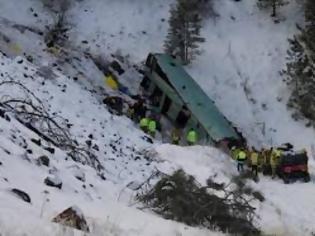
{"x":274,"y":160}
{"x":254,"y":162}
{"x":191,"y":137}
{"x":144,"y":124}
{"x":139,"y":110}
{"x":175,"y":136}
{"x":131,"y":112}
{"x":265,"y":153}
{"x":152,"y":127}
{"x":241,"y":158}
{"x":234,"y":152}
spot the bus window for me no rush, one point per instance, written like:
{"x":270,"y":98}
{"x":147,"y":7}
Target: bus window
{"x":183,"y":117}
{"x":166,"y":105}
{"x":156,"y":96}
{"x":145,"y":83}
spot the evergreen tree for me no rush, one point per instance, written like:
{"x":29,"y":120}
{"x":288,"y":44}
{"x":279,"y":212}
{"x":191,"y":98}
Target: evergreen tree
{"x":184,"y":30}
{"x":300,"y":71}
{"x":310,"y":25}
{"x":271,"y":4}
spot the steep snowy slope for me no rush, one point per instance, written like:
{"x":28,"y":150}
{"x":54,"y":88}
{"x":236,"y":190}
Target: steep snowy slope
{"x":103,"y":194}
{"x":243,"y":55}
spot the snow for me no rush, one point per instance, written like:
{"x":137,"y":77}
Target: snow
{"x":243,"y":47}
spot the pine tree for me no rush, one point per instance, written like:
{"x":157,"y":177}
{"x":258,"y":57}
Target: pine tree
{"x":310,"y":24}
{"x":300,"y":71}
{"x":271,"y":4}
{"x":184,"y":30}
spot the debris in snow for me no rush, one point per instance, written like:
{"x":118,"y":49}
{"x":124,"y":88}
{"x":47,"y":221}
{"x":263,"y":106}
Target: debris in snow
{"x":89,"y":143}
{"x":43,"y":160}
{"x":36,"y":141}
{"x":134,"y":185}
{"x":49,"y":149}
{"x":72,"y":217}
{"x":53,"y":182}
{"x":21,"y":194}
{"x":79,"y":174}
{"x":95,"y":147}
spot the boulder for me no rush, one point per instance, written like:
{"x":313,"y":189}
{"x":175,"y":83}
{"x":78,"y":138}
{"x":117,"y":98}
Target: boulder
{"x":43,"y":160}
{"x":53,"y":182}
{"x":72,"y":217}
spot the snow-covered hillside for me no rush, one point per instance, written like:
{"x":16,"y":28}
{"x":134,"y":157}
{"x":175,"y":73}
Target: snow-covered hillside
{"x":243,"y":49}
{"x":99,"y":194}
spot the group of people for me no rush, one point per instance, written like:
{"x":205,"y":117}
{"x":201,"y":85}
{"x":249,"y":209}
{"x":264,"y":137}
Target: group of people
{"x":263,"y":160}
{"x":150,"y":123}
{"x":138,"y":113}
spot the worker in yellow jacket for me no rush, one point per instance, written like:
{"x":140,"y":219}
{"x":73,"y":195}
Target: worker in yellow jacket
{"x":152,"y":127}
{"x":274,"y":160}
{"x":144,"y":124}
{"x":234,"y":152}
{"x":191,"y":137}
{"x":254,"y":162}
{"x":241,"y":158}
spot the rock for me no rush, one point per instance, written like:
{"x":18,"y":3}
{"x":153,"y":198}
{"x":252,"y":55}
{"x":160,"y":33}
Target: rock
{"x":89,"y":143}
{"x":53,"y":182}
{"x":79,"y":174}
{"x":95,"y":147}
{"x":38,"y":142}
{"x":147,"y":139}
{"x":102,"y":176}
{"x":72,"y":217}
{"x":49,"y":149}
{"x":21,"y":194}
{"x":43,"y":160}
{"x":115,"y":65}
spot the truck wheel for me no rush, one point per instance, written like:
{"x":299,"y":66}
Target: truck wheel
{"x":307,"y":178}
{"x":286,"y":180}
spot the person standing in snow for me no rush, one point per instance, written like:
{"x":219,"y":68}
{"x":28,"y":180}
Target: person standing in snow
{"x":254,"y":162}
{"x":234,"y":152}
{"x":152,"y":127}
{"x":274,"y":160}
{"x":191,"y":137}
{"x":144,"y":123}
{"x":176,"y":134}
{"x":241,"y":158}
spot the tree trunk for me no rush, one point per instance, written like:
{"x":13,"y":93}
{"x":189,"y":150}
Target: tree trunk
{"x":274,"y":9}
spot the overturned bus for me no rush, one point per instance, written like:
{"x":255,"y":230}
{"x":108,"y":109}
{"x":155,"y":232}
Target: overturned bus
{"x":182,"y":101}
